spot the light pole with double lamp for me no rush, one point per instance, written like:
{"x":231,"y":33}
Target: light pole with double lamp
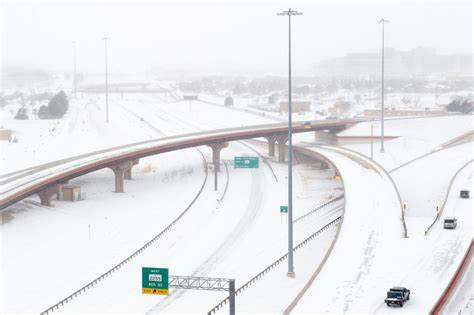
{"x":291,"y":272}
{"x":383,"y":21}
{"x":106,"y":82}
{"x":74,"y":75}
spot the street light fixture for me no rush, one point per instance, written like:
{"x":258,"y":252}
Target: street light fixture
{"x":383,"y":21}
{"x":291,"y":272}
{"x":106,"y":83}
{"x":75,"y":68}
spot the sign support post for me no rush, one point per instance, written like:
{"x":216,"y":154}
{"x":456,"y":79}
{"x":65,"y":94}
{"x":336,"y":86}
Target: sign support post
{"x":371,"y":141}
{"x":232,"y":296}
{"x":215,"y":176}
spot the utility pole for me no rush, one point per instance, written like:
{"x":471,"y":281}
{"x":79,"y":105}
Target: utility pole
{"x":371,"y":141}
{"x":383,"y":21}
{"x":106,"y":83}
{"x":74,"y":77}
{"x":291,"y":272}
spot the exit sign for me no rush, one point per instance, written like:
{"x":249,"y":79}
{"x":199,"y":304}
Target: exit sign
{"x":155,"y":281}
{"x":245,"y":162}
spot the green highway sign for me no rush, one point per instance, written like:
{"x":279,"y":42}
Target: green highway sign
{"x":155,"y":281}
{"x":245,"y":162}
{"x":284,"y":209}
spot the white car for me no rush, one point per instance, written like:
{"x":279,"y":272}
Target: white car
{"x":450,"y":223}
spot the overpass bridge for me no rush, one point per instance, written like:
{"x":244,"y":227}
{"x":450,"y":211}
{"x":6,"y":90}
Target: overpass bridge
{"x":45,"y":179}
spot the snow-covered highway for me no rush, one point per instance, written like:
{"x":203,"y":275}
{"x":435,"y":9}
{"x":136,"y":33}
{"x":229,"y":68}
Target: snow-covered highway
{"x":379,"y":257}
{"x":239,"y":234}
{"x":357,"y":266}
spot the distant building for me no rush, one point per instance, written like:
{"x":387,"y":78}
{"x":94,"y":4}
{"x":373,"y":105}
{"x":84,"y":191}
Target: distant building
{"x":340,"y":108}
{"x":6,"y":134}
{"x":418,"y":61}
{"x":190,"y":97}
{"x":273,"y":98}
{"x":296,"y":106}
{"x":229,"y":101}
{"x":69,"y":193}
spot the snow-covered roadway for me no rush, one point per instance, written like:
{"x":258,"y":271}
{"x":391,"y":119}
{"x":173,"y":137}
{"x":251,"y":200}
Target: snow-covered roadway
{"x":209,"y":223}
{"x":356,"y":272}
{"x":370,"y":255}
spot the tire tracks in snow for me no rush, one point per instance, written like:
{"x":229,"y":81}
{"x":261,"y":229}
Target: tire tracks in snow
{"x":137,"y":252}
{"x":245,"y":223}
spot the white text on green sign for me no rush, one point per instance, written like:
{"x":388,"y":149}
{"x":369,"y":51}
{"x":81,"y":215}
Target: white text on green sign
{"x":155,"y":281}
{"x":246,"y":162}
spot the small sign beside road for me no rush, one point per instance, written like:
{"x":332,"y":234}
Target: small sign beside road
{"x":284,"y":209}
{"x":246,"y":162}
{"x":155,"y":281}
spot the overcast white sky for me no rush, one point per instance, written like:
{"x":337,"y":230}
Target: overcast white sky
{"x":220,"y":37}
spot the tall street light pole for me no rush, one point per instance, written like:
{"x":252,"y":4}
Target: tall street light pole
{"x":291,"y":272}
{"x":106,"y":83}
{"x":383,"y":21}
{"x":75,"y":68}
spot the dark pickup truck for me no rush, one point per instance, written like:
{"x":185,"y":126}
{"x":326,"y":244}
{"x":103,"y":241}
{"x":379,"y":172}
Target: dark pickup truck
{"x":397,"y":296}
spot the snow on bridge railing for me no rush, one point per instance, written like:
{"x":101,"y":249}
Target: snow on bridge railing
{"x":129,"y":258}
{"x":273,"y":265}
{"x":442,"y":301}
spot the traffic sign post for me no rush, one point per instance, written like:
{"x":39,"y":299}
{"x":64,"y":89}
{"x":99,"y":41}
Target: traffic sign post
{"x":158,"y":281}
{"x":155,"y":281}
{"x":245,"y":162}
{"x":283,"y":212}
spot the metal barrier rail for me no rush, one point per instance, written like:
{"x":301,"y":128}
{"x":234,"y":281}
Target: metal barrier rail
{"x":264,"y":158}
{"x":129,"y":258}
{"x":274,"y":264}
{"x":440,"y":211}
{"x":319,"y":208}
{"x":226,"y":183}
{"x":244,"y":110}
{"x":387,"y":173}
{"x":448,"y":291}
{"x":443,"y":146}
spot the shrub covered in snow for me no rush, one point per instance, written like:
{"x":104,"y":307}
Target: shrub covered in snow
{"x":462,"y":106}
{"x":56,"y":108}
{"x":58,"y":105}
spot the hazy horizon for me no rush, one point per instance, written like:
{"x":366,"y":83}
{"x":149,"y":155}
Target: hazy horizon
{"x":220,"y":38}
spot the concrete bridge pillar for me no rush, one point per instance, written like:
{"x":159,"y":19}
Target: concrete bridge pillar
{"x":128,"y":171}
{"x":216,"y":153}
{"x":47,"y":194}
{"x":337,"y":129}
{"x":271,"y":145}
{"x":324,"y":165}
{"x":119,"y":171}
{"x":281,"y":147}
